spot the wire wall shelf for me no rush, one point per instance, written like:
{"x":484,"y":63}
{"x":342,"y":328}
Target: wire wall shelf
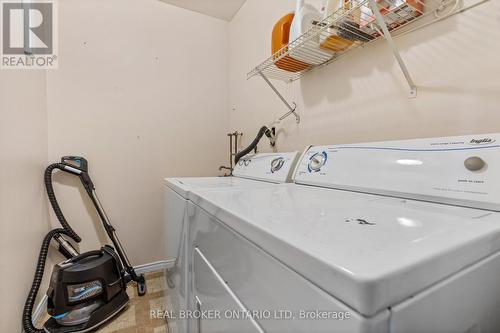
{"x":361,"y":23}
{"x":342,"y":32}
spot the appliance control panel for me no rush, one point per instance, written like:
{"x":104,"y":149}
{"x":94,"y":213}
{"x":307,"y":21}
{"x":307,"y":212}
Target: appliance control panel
{"x":272,"y":167}
{"x":463,"y":171}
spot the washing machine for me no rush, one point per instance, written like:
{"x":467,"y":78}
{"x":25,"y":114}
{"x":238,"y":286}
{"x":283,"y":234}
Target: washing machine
{"x":256,"y":170}
{"x":399,"y":236}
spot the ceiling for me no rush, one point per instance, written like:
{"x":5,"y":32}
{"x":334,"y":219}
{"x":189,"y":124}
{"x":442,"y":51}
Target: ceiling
{"x":222,"y":9}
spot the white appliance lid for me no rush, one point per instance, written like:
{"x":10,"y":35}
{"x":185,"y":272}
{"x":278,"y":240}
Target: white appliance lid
{"x":186,"y":185}
{"x":254,"y":170}
{"x":461,"y":170}
{"x":366,"y":250}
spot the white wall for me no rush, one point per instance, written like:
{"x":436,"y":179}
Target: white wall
{"x":363,"y":97}
{"x":23,"y":213}
{"x":142,"y":93}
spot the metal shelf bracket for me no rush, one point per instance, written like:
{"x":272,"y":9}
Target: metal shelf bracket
{"x":291,"y":107}
{"x":394,"y":48}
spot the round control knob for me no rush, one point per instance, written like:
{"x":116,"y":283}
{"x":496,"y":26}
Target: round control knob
{"x":317,"y":161}
{"x":474,"y":163}
{"x":277,"y":164}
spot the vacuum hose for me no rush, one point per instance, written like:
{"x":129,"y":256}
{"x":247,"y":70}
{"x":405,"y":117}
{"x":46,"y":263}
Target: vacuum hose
{"x":263,"y":130}
{"x":53,"y":201}
{"x":42,"y":257}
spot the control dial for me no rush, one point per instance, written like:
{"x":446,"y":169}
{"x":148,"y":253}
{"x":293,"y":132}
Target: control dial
{"x":474,"y":163}
{"x":317,"y":161}
{"x":277,"y":164}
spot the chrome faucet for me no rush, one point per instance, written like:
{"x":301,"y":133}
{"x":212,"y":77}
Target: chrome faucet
{"x":233,"y":150}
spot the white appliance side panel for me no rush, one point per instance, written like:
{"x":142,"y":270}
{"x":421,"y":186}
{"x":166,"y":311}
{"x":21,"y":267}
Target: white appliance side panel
{"x":263,"y":283}
{"x":177,"y":284}
{"x":468,"y":302}
{"x":221,"y":309}
{"x":424,"y":169}
{"x":174,"y":210}
{"x":259,"y":166}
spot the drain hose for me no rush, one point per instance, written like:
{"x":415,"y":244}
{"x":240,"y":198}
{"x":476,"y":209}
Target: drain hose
{"x":263,"y":130}
{"x":42,"y":257}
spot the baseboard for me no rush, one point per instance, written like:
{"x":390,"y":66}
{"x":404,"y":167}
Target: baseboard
{"x":140,"y":269}
{"x":154,"y":266}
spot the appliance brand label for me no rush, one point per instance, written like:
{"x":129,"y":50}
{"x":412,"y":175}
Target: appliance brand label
{"x":483,"y":141}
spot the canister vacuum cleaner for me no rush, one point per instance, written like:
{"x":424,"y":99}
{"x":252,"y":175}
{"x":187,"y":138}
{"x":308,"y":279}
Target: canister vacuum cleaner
{"x":87,"y":289}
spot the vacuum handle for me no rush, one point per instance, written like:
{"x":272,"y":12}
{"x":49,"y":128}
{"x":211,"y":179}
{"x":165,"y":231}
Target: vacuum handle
{"x":77,"y":162}
{"x":78,"y":166}
{"x":87,"y":183}
{"x":94,"y":253}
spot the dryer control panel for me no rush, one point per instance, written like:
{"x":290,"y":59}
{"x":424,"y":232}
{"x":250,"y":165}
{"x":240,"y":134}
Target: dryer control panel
{"x":272,"y":167}
{"x":463,"y":171}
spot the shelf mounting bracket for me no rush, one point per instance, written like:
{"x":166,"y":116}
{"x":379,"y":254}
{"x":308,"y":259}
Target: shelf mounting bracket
{"x":291,"y":107}
{"x":392,"y":45}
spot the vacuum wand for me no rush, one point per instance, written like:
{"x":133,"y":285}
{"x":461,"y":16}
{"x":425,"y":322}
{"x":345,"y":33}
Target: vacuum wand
{"x":111,"y":231}
{"x":78,"y":166}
